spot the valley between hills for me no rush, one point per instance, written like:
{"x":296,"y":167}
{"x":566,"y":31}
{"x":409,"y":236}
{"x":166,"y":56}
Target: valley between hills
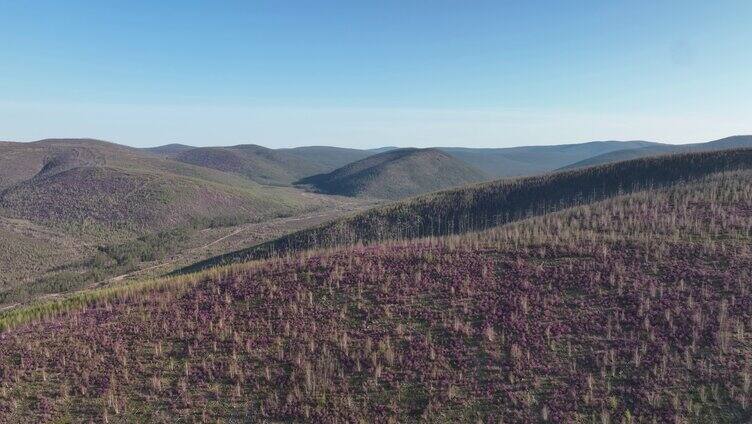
{"x":391,"y":285}
{"x":389,"y":212}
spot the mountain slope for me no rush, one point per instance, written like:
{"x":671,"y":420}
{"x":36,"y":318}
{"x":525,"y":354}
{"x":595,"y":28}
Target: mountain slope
{"x":490,"y":204}
{"x":734,"y":142}
{"x":529,"y":160}
{"x":78,"y":181}
{"x":28,"y":251}
{"x":22,"y":161}
{"x":397,"y":174}
{"x":74,"y":213}
{"x":633,"y":309}
{"x":257,"y":163}
{"x":112,"y":196}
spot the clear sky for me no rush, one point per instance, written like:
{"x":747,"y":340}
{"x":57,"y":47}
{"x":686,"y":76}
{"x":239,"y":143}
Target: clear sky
{"x":374,"y":73}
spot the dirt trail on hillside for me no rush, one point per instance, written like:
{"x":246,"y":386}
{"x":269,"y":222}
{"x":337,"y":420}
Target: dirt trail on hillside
{"x":171,"y":261}
{"x":265,"y":230}
{"x":236,"y":238}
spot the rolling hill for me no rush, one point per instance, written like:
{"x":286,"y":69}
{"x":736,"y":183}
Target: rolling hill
{"x":74,"y":212}
{"x":396,"y":174}
{"x":23,"y":161}
{"x":76,"y":181}
{"x":283,"y":166}
{"x":29,"y":251}
{"x":633,"y":309}
{"x":734,"y":142}
{"x":257,"y":163}
{"x":486,"y":205}
{"x":264,"y":165}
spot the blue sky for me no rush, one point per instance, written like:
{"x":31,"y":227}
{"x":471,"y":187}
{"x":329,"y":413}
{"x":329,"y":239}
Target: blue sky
{"x":367,"y":74}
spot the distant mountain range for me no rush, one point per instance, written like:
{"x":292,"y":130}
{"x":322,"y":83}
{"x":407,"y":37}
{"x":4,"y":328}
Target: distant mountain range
{"x":59,"y":198}
{"x":393,"y":175}
{"x":530,"y":160}
{"x":734,"y":142}
{"x":61,"y":179}
{"x":328,"y":158}
{"x":284,"y":166}
{"x":74,"y":211}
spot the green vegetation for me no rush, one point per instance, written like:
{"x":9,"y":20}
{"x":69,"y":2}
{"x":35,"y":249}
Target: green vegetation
{"x":43,"y":310}
{"x":143,"y":249}
{"x":397,"y":174}
{"x":107,"y":261}
{"x":265,"y":166}
{"x":491,"y":204}
{"x":101,"y":262}
{"x":735,"y":142}
{"x":617,"y":293}
{"x":631,"y":309}
{"x":60,"y":199}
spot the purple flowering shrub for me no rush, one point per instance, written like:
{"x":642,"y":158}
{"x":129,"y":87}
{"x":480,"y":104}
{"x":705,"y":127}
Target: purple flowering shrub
{"x":632,"y":310}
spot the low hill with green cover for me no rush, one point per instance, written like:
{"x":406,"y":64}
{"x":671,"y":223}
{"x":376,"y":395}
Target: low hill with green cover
{"x":257,"y":163}
{"x":397,"y":174}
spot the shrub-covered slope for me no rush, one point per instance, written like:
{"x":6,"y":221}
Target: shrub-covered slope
{"x":112,"y":197}
{"x":28,"y":251}
{"x":77,"y":212}
{"x":489,"y":204}
{"x":397,"y":174}
{"x":260,"y":164}
{"x":77,"y":181}
{"x":634,"y":309}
